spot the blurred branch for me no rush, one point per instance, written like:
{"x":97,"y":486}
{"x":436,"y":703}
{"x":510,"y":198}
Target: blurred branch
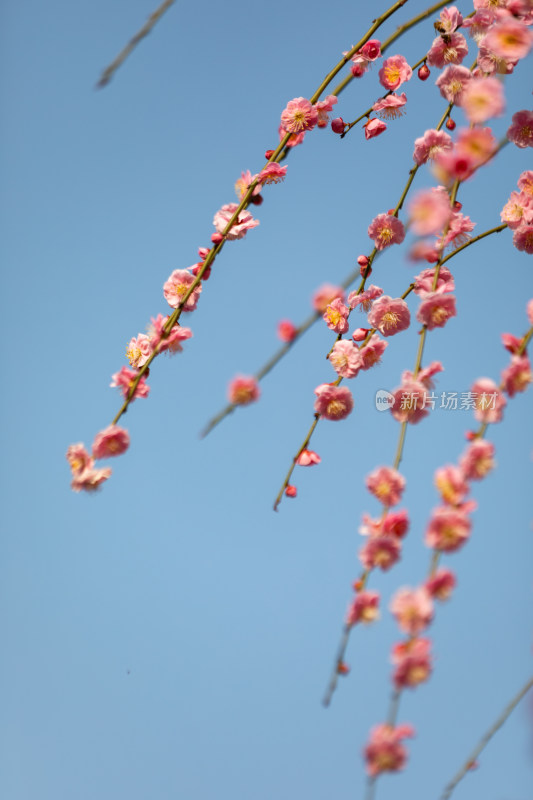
{"x":109,"y":71}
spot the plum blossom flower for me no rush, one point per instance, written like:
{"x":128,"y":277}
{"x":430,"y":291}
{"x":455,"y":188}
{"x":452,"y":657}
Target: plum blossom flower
{"x":436,"y":309}
{"x":333,"y":402}
{"x":517,"y":210}
{"x":517,"y":376}
{"x":287,"y":331}
{"x":176,"y":288}
{"x":394,"y":72}
{"x":385,"y":230}
{"x":452,"y":83}
{"x":395,"y":524}
{"x":78,"y":458}
{"x":413,"y":609}
{"x":424,"y":281}
{"x":373,"y":127}
{"x":325,"y":295}
{"x":307,"y":458}
{"x":441,"y":584}
{"x":242,"y":184}
{"x":380,"y":552}
{"x":139,"y":350}
{"x":413,"y":664}
{"x":509,"y":39}
{"x":336,"y":316}
{"x":299,"y":115}
{"x":385,"y":751}
{"x":371,"y":50}
{"x":450,"y":20}
{"x":489,"y":63}
{"x":429,"y":211}
{"x":371,"y":353}
{"x":364,"y":299}
{"x":525,"y":182}
{"x":386,"y":484}
{"x":521,"y":129}
{"x":489,"y":402}
{"x":124,"y":380}
{"x":477,"y":460}
{"x":523,"y":238}
{"x":409,"y":401}
{"x":451,"y":484}
{"x":294,"y":139}
{"x":364,"y":608}
{"x":482,"y":99}
{"x":272,"y":173}
{"x":390,"y":107}
{"x":170,"y":342}
{"x":345,"y":358}
{"x":323,"y":107}
{"x":448,"y":529}
{"x":428,"y":146}
{"x":243,"y":390}
{"x":90,"y":479}
{"x":243,"y":223}
{"x":113,"y":441}
{"x":389,"y":316}
{"x":451,"y":49}
{"x":459,"y":231}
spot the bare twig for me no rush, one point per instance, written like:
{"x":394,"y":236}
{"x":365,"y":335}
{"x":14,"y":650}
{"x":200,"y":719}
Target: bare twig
{"x":109,"y":71}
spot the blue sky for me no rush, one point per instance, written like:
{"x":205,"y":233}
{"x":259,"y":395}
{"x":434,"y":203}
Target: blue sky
{"x":171,"y":636}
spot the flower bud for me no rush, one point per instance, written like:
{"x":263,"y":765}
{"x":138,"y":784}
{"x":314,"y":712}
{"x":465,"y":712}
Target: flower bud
{"x":337,"y":125}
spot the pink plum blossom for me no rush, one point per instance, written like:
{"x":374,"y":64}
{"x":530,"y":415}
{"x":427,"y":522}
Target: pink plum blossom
{"x":176,"y":288}
{"x":243,"y":223}
{"x":413,"y":664}
{"x":171,"y":342}
{"x":448,"y":529}
{"x":428,"y":146}
{"x":299,"y":115}
{"x":371,"y":353}
{"x":413,"y":609}
{"x":374,"y":127}
{"x":272,"y":173}
{"x":517,"y":376}
{"x":78,"y":458}
{"x":511,"y":343}
{"x":385,"y":751}
{"x":489,"y":402}
{"x":477,"y":460}
{"x":113,"y":441}
{"x":385,"y":230}
{"x":459,"y":230}
{"x":371,"y":50}
{"x":436,"y":309}
{"x":451,"y":484}
{"x":521,"y":130}
{"x":294,"y":139}
{"x":395,"y":524}
{"x":242,"y":184}
{"x":287,"y":331}
{"x":394,"y":72}
{"x":482,"y":99}
{"x":429,"y":211}
{"x":451,"y":49}
{"x":525,"y":182}
{"x":450,"y":19}
{"x":243,"y":390}
{"x":424,"y":282}
{"x":389,"y":316}
{"x":390,"y":107}
{"x":124,"y":380}
{"x":364,"y":299}
{"x":364,"y":608}
{"x":409,"y":401}
{"x":452,"y":83}
{"x":333,"y":402}
{"x":307,"y":458}
{"x":90,"y":479}
{"x":441,"y":584}
{"x":323,"y":107}
{"x":478,"y":144}
{"x":523,"y":238}
{"x":139,"y":350}
{"x":509,"y":39}
{"x":336,"y":316}
{"x":325,"y":295}
{"x":488,"y":62}
{"x":345,"y":358}
{"x":380,"y":552}
{"x":517,"y":210}
{"x":386,"y":484}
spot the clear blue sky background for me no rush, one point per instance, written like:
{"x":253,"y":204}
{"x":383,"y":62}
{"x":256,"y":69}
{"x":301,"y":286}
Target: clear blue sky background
{"x":171,"y":637}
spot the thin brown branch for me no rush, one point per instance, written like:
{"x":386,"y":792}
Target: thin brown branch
{"x":109,"y":71}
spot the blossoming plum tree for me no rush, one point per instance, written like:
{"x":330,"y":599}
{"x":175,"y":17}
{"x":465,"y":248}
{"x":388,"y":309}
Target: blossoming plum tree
{"x":496,"y":36}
